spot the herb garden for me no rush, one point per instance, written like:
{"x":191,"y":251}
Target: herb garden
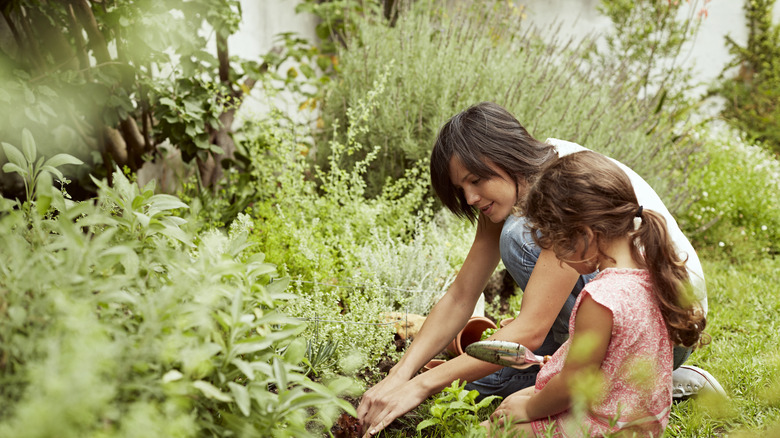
{"x":166,"y":270}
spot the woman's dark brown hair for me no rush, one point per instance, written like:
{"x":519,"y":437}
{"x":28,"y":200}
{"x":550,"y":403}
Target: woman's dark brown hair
{"x":588,"y":190}
{"x":484,"y":134}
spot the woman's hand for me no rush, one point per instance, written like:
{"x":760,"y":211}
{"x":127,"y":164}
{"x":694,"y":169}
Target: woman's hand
{"x":372,"y":399}
{"x":388,"y":400}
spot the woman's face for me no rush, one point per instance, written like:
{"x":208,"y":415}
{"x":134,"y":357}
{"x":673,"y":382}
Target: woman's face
{"x":494,"y":197}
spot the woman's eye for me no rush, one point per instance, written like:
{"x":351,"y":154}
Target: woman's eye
{"x":476,"y":181}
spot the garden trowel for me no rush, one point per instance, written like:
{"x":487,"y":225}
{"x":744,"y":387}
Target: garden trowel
{"x":506,"y":353}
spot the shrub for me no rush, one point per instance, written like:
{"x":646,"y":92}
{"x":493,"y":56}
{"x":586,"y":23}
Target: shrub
{"x":439,"y":62}
{"x":752,"y":95}
{"x":738,"y":212}
{"x":352,"y":257}
{"x":116,"y":320}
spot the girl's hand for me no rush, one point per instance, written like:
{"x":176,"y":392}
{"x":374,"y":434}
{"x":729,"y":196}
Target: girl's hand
{"x":513,"y":409}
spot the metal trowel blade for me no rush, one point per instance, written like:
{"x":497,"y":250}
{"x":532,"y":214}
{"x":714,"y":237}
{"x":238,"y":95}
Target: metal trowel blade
{"x":505,"y":353}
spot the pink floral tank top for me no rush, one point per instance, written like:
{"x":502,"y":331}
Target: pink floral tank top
{"x":637,"y":370}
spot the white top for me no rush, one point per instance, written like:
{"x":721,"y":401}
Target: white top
{"x":649,"y":199}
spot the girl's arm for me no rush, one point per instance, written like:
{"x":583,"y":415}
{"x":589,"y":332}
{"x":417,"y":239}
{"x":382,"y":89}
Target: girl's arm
{"x":545,"y":294}
{"x":592,"y":333}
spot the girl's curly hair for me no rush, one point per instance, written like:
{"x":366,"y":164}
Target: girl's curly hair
{"x":588,"y":190}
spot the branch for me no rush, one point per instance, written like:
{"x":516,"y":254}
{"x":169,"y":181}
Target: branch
{"x":14,"y":31}
{"x":81,"y":49}
{"x":96,"y":40}
{"x":224,"y":59}
{"x":116,"y":147}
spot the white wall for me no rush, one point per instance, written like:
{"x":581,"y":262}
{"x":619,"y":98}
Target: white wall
{"x":708,"y":54}
{"x":262,"y":21}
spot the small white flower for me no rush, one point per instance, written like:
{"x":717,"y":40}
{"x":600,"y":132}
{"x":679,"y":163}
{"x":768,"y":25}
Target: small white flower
{"x":763,"y":228}
{"x":721,"y":244}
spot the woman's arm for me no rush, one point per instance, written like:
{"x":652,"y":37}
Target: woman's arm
{"x":396,"y":394}
{"x":545,"y":294}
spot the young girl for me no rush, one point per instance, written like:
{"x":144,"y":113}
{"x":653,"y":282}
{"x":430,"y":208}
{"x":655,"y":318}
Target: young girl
{"x":625,"y":321}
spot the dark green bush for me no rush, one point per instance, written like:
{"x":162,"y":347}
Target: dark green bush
{"x":752,"y":96}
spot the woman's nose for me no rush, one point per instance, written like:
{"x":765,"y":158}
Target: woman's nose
{"x":471,"y":196}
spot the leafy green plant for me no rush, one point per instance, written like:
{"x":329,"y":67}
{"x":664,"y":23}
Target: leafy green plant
{"x":36,"y":172}
{"x":649,"y":38}
{"x":486,"y":334}
{"x":454,"y":412}
{"x":110,"y":82}
{"x":318,"y":354}
{"x":158,"y":330}
{"x":352,"y":257}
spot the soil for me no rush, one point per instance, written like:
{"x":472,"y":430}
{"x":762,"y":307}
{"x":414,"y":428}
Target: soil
{"x":500,"y":285}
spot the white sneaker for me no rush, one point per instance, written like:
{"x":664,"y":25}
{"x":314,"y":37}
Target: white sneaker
{"x":688,"y":381}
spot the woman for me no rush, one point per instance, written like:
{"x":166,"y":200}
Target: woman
{"x":481,"y":165}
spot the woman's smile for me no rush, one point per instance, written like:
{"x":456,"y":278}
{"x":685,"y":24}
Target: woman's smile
{"x":494,"y":196}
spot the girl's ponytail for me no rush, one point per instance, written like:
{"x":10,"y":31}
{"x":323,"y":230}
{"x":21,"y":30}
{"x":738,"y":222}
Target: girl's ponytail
{"x":654,"y":248}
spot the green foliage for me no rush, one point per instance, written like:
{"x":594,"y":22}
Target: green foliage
{"x":454,"y":412}
{"x":109,"y":82}
{"x":743,"y":355}
{"x":737,"y":215}
{"x":487,"y":333}
{"x":480,"y":51}
{"x":117,"y":320}
{"x":37,"y":172}
{"x":648,"y":37}
{"x":337,"y":18}
{"x":752,"y":95}
{"x":352,"y":258}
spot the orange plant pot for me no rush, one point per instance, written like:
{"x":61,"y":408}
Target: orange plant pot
{"x":470,"y":334}
{"x":433,"y":363}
